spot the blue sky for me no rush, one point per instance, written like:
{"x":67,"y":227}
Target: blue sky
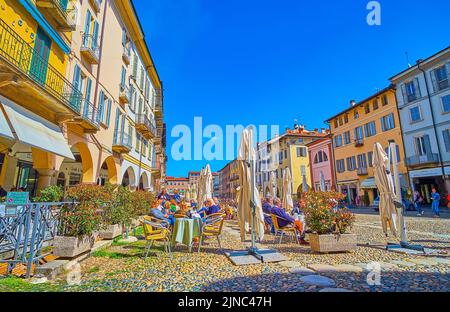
{"x":270,"y":62}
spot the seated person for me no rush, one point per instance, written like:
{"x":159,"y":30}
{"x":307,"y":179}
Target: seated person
{"x":204,"y":210}
{"x":176,"y":196}
{"x":284,"y":219}
{"x":267,"y":209}
{"x":214,"y":206}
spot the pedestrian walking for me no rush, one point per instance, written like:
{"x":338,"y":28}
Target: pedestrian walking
{"x":435,"y":204}
{"x":418,"y":199}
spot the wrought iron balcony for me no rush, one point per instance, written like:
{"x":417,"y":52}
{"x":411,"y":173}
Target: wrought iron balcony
{"x":418,"y":160}
{"x":42,"y":87}
{"x":62,"y":12}
{"x":145,"y":126}
{"x":359,"y":142}
{"x":96,"y":5}
{"x":122,"y":143}
{"x":362,"y":171}
{"x":89,"y":119}
{"x":158,"y":103}
{"x":90,"y":48}
{"x":126,"y":54}
{"x":125,"y":95}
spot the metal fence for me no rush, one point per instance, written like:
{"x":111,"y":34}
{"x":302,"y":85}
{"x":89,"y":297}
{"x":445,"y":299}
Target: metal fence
{"x":24,"y":230}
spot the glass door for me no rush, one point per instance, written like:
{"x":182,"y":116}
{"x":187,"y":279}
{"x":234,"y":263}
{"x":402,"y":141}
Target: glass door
{"x":39,"y":62}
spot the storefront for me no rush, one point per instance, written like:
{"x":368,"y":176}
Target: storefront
{"x":370,"y":191}
{"x":424,"y":180}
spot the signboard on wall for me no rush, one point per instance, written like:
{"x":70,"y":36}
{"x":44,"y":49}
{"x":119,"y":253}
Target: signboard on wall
{"x":17,"y":198}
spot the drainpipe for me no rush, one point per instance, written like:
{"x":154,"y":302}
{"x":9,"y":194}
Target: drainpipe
{"x":100,"y":54}
{"x":433,"y":120}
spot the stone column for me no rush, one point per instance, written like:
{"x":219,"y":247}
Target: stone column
{"x":45,"y":178}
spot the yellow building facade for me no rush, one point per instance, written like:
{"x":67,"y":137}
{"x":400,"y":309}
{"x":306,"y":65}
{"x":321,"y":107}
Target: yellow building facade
{"x":354,"y":133}
{"x":288,"y":150}
{"x":68,"y":114}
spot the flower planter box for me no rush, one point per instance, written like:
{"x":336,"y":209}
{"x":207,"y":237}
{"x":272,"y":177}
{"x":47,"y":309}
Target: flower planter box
{"x":332,"y":242}
{"x":111,"y":232}
{"x":70,"y":247}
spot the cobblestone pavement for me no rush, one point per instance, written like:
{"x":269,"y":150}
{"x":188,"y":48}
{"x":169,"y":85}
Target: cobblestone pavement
{"x":123,"y":268}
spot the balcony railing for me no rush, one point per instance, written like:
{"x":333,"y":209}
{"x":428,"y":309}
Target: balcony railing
{"x":145,"y":126}
{"x":63,"y":12}
{"x":90,"y":48}
{"x":122,"y":142}
{"x":362,"y":171}
{"x":359,"y":142}
{"x":125,"y":95}
{"x":417,"y":160}
{"x":24,"y":59}
{"x":158,"y":102}
{"x":126,"y":54}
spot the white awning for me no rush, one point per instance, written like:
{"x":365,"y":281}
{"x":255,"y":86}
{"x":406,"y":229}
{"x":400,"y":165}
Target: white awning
{"x":369,"y":183}
{"x":35,"y":131}
{"x":5,"y":130}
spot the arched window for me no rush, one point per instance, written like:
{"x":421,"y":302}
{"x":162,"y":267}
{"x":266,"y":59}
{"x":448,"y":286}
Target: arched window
{"x":320,"y":157}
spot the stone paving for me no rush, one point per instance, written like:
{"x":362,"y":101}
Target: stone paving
{"x":122,"y":267}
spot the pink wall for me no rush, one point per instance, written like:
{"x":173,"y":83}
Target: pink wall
{"x":326,"y":166}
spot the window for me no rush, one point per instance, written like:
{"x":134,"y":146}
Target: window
{"x":362,"y":161}
{"x":301,"y":151}
{"x":320,"y":157}
{"x":108,"y":113}
{"x":101,"y":107}
{"x":370,"y":157}
{"x":387,"y":122}
{"x":346,"y":118}
{"x":446,"y":103}
{"x":385,"y":100}
{"x":359,"y":133}
{"x":367,"y":108}
{"x":421,"y":145}
{"x":335,"y":123}
{"x":356,"y":114}
{"x":347,"y":139}
{"x":340,"y":165}
{"x":338,"y":140}
{"x":123,"y":78}
{"x":414,"y":113}
{"x":411,"y":91}
{"x":370,"y":129}
{"x":351,"y":163}
{"x":375,"y":104}
{"x":116,"y":124}
{"x":440,"y":77}
{"x":446,"y":135}
{"x":340,"y":121}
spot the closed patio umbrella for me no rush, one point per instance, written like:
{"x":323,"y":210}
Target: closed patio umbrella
{"x":207,"y":183}
{"x":273,"y":185}
{"x":248,"y":191}
{"x":385,"y":185}
{"x":287,"y":190}
{"x":200,"y":189}
{"x":304,"y":184}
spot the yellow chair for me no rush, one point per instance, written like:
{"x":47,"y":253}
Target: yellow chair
{"x":154,"y":230}
{"x":283,"y":230}
{"x":212,"y":226}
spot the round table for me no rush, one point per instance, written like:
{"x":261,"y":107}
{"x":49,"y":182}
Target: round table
{"x":185,"y":230}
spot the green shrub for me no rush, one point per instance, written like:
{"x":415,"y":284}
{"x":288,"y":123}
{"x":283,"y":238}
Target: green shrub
{"x":50,"y":194}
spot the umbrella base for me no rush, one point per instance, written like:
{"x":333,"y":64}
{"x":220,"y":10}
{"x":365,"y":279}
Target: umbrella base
{"x":405,"y":245}
{"x":255,"y":256}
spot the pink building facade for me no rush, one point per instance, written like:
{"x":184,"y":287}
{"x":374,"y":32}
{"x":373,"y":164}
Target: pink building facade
{"x":321,"y":163}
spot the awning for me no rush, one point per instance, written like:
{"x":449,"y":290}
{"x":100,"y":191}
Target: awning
{"x":34,"y":130}
{"x":5,"y":130}
{"x":369,"y":183}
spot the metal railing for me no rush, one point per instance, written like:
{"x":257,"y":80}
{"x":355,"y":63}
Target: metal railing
{"x":68,"y":10}
{"x":19,"y":54}
{"x":158,"y":100}
{"x":145,"y":120}
{"x":430,"y":158}
{"x":125,"y":92}
{"x":122,"y":139}
{"x":127,"y":52}
{"x":90,"y":113}
{"x":90,"y":43}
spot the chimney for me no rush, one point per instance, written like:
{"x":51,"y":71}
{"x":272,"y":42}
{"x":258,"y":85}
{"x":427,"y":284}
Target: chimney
{"x":323,"y":130}
{"x":352,"y":103}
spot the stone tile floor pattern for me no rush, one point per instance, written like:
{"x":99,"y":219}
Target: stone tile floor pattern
{"x":123,"y":268}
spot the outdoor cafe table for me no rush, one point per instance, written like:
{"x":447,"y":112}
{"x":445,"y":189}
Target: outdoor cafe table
{"x":185,"y":230}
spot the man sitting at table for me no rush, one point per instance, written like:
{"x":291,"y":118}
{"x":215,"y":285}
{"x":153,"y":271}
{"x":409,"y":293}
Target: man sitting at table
{"x":214,"y":206}
{"x":204,"y":210}
{"x":267,"y":209}
{"x":284,"y":219}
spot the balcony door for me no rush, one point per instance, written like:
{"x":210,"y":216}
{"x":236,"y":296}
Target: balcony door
{"x":39,"y":62}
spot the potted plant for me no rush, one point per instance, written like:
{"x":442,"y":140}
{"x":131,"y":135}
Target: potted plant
{"x":328,"y":224}
{"x":79,"y":222}
{"x":118,"y":213}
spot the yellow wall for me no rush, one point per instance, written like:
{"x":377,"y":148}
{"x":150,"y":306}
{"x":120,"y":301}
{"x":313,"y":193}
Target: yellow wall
{"x":383,"y":138}
{"x":13,"y":14}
